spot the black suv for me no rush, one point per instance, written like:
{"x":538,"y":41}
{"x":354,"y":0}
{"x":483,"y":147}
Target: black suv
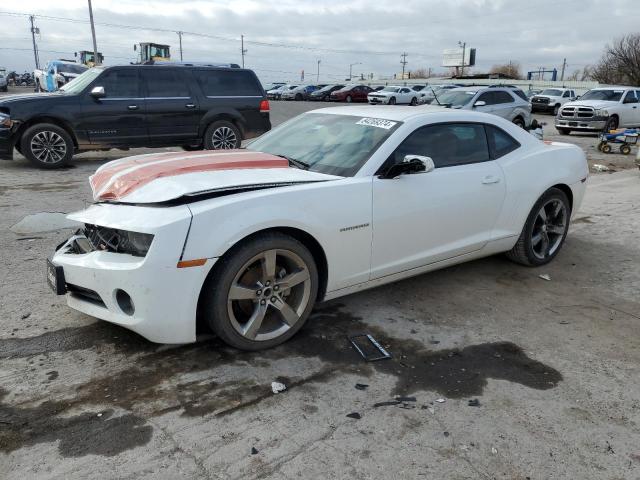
{"x":196,"y":107}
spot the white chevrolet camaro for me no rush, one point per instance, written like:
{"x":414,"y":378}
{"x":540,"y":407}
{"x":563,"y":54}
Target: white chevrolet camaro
{"x":332,"y":202}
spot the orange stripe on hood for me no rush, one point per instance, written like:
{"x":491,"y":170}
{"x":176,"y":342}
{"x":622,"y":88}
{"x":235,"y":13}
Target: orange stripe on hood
{"x":116,"y":189}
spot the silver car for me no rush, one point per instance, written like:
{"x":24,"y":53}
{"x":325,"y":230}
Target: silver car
{"x":507,"y":102}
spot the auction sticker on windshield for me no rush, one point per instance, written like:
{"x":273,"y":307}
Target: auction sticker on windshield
{"x":376,"y":122}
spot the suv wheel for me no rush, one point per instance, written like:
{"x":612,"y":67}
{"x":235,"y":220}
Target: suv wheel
{"x":47,"y":145}
{"x":519,"y":122}
{"x":612,"y":124}
{"x":222,"y":135}
{"x":556,"y":109}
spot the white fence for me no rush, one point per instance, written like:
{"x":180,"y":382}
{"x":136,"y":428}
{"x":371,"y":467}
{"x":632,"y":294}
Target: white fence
{"x":525,"y":85}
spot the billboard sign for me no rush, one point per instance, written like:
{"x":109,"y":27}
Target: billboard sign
{"x":452,"y":57}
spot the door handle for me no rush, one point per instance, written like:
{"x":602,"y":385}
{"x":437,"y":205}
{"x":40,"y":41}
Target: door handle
{"x":190,"y":105}
{"x":489,"y":179}
{"x":133,"y":107}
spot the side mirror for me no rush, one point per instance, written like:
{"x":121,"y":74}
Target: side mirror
{"x":98,"y":92}
{"x":410,"y":165}
{"x":480,"y":103}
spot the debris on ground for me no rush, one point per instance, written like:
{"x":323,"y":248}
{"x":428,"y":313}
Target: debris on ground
{"x":446,"y":434}
{"x":369,"y":348}
{"x":440,"y":400}
{"x":405,"y":399}
{"x":25,"y":316}
{"x":361,"y":386}
{"x":434,"y":342}
{"x":277,"y":387}
{"x":494,"y":450}
{"x":600,"y":168}
{"x":474,"y":402}
{"x":545,"y":276}
{"x":254,"y":451}
{"x":386,"y":404}
{"x":354,"y":415}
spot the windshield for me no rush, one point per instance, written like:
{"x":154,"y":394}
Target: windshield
{"x":70,"y":68}
{"x":390,"y":89}
{"x":329,"y":87}
{"x":610,"y":95}
{"x":79,"y":83}
{"x":331,"y":144}
{"x":456,"y":98}
{"x":552,"y":92}
{"x":346,"y":88}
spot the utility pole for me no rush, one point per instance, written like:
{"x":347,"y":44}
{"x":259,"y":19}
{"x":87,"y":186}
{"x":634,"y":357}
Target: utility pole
{"x":564,"y":65}
{"x":242,"y":49}
{"x":180,"y":39}
{"x":96,"y":60}
{"x":318,"y":74}
{"x":403,"y":62}
{"x":429,"y":72}
{"x":34,"y":30}
{"x":351,"y":68}
{"x":464,"y":52}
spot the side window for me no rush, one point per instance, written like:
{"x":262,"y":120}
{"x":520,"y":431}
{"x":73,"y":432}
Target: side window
{"x":630,"y":97}
{"x":123,"y":83}
{"x":521,"y":94}
{"x":502,"y":97}
{"x":486,"y":97}
{"x":162,"y":83}
{"x":566,"y":94}
{"x":447,"y":144}
{"x":638,"y":94}
{"x":500,"y":142}
{"x":228,"y":83}
{"x":405,"y":90}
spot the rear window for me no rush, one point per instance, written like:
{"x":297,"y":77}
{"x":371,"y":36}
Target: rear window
{"x":520,"y":93}
{"x":163,"y":83}
{"x":228,"y":83}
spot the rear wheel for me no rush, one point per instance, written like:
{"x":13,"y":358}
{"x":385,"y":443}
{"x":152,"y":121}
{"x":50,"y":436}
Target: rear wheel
{"x":606,"y":148}
{"x":519,"y":122}
{"x":544,"y":231}
{"x":625,"y":149}
{"x":222,"y":135}
{"x":47,"y":145}
{"x":349,"y":99}
{"x":556,"y":109}
{"x":414,"y":101}
{"x":261,"y":292}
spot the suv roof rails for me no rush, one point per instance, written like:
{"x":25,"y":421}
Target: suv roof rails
{"x":193,"y":64}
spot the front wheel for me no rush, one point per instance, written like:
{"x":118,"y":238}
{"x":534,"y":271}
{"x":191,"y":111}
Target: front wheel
{"x":612,"y":124}
{"x":414,"y":102}
{"x":349,"y":99}
{"x":625,"y":149}
{"x":222,"y":135}
{"x":556,"y":109}
{"x":47,"y":145}
{"x":392,"y":101}
{"x":262,"y":292}
{"x":544,"y":231}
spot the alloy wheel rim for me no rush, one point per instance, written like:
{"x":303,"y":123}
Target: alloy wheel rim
{"x":224,"y":138}
{"x":48,"y":147}
{"x":268,"y":295}
{"x":549,"y":228}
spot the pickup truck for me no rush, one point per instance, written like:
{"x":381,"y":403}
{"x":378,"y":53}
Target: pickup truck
{"x":551,"y":99}
{"x":56,"y":74}
{"x":599,"y":109}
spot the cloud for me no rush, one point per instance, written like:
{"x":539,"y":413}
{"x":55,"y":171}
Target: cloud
{"x":339,"y":33}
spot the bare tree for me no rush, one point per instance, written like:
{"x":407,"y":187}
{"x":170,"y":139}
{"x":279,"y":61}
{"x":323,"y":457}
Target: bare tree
{"x":620,"y":63}
{"x":420,"y":73}
{"x":574,"y":76}
{"x":511,"y":70}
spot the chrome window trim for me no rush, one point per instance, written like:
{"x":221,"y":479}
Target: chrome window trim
{"x":235,"y":96}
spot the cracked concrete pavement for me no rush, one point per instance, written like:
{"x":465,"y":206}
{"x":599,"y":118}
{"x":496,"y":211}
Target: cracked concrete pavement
{"x":552,"y":363}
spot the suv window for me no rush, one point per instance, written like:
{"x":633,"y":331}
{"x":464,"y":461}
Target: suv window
{"x":486,"y":97}
{"x":228,"y":83}
{"x":448,"y":144}
{"x":162,"y":83}
{"x":521,"y":94}
{"x":502,"y":97}
{"x":630,"y":97}
{"x":500,"y":142}
{"x":122,"y":83}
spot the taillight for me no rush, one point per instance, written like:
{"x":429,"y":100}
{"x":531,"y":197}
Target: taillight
{"x":264,"y":106}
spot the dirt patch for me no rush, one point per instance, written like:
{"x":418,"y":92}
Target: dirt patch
{"x":40,"y":187}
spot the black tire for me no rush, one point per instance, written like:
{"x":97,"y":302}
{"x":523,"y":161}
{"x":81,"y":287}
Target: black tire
{"x":519,"y":122}
{"x":563,"y":131}
{"x":216,"y":290}
{"x":392,"y":101}
{"x":414,"y":102}
{"x":612,"y":124}
{"x":606,"y":148}
{"x":556,"y":110}
{"x":227,"y":136}
{"x":349,"y":99}
{"x":523,"y":252}
{"x":625,"y":149}
{"x":56,"y":145}
{"x":192,"y":148}
{"x":298,"y":97}
{"x":37,"y":87}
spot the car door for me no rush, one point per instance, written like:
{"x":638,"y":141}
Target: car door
{"x":117,"y":119}
{"x":489,"y":100}
{"x":504,"y":104}
{"x":173,"y":113}
{"x":424,"y":218}
{"x":630,"y":113}
{"x":406,"y":95}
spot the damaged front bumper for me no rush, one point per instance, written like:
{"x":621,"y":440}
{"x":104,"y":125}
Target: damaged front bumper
{"x":147,"y":294}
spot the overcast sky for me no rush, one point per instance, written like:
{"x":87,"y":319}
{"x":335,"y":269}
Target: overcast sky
{"x":372,"y":32}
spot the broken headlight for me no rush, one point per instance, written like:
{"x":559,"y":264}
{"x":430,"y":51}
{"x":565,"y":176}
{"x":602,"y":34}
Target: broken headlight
{"x":5,"y":120}
{"x":118,"y":241}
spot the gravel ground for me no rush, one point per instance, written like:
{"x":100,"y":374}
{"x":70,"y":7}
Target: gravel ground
{"x":553,"y":365}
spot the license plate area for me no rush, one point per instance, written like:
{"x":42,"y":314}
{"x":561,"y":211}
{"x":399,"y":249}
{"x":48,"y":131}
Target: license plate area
{"x":55,"y":278}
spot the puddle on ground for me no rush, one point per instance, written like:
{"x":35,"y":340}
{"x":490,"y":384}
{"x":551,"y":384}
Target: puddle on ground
{"x":142,"y":388}
{"x":43,"y":222}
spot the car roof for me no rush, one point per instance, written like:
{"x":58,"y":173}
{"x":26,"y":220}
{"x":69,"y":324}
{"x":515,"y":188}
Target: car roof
{"x":393,"y":112}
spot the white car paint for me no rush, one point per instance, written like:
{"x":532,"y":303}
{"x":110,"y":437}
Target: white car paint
{"x":372,"y":231}
{"x":551,"y":99}
{"x":399,"y":95}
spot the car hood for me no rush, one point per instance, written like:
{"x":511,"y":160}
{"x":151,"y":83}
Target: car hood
{"x":591,"y":103}
{"x":21,"y":97}
{"x":162,"y":177}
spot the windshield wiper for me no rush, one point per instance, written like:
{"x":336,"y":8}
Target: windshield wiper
{"x":296,"y":163}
